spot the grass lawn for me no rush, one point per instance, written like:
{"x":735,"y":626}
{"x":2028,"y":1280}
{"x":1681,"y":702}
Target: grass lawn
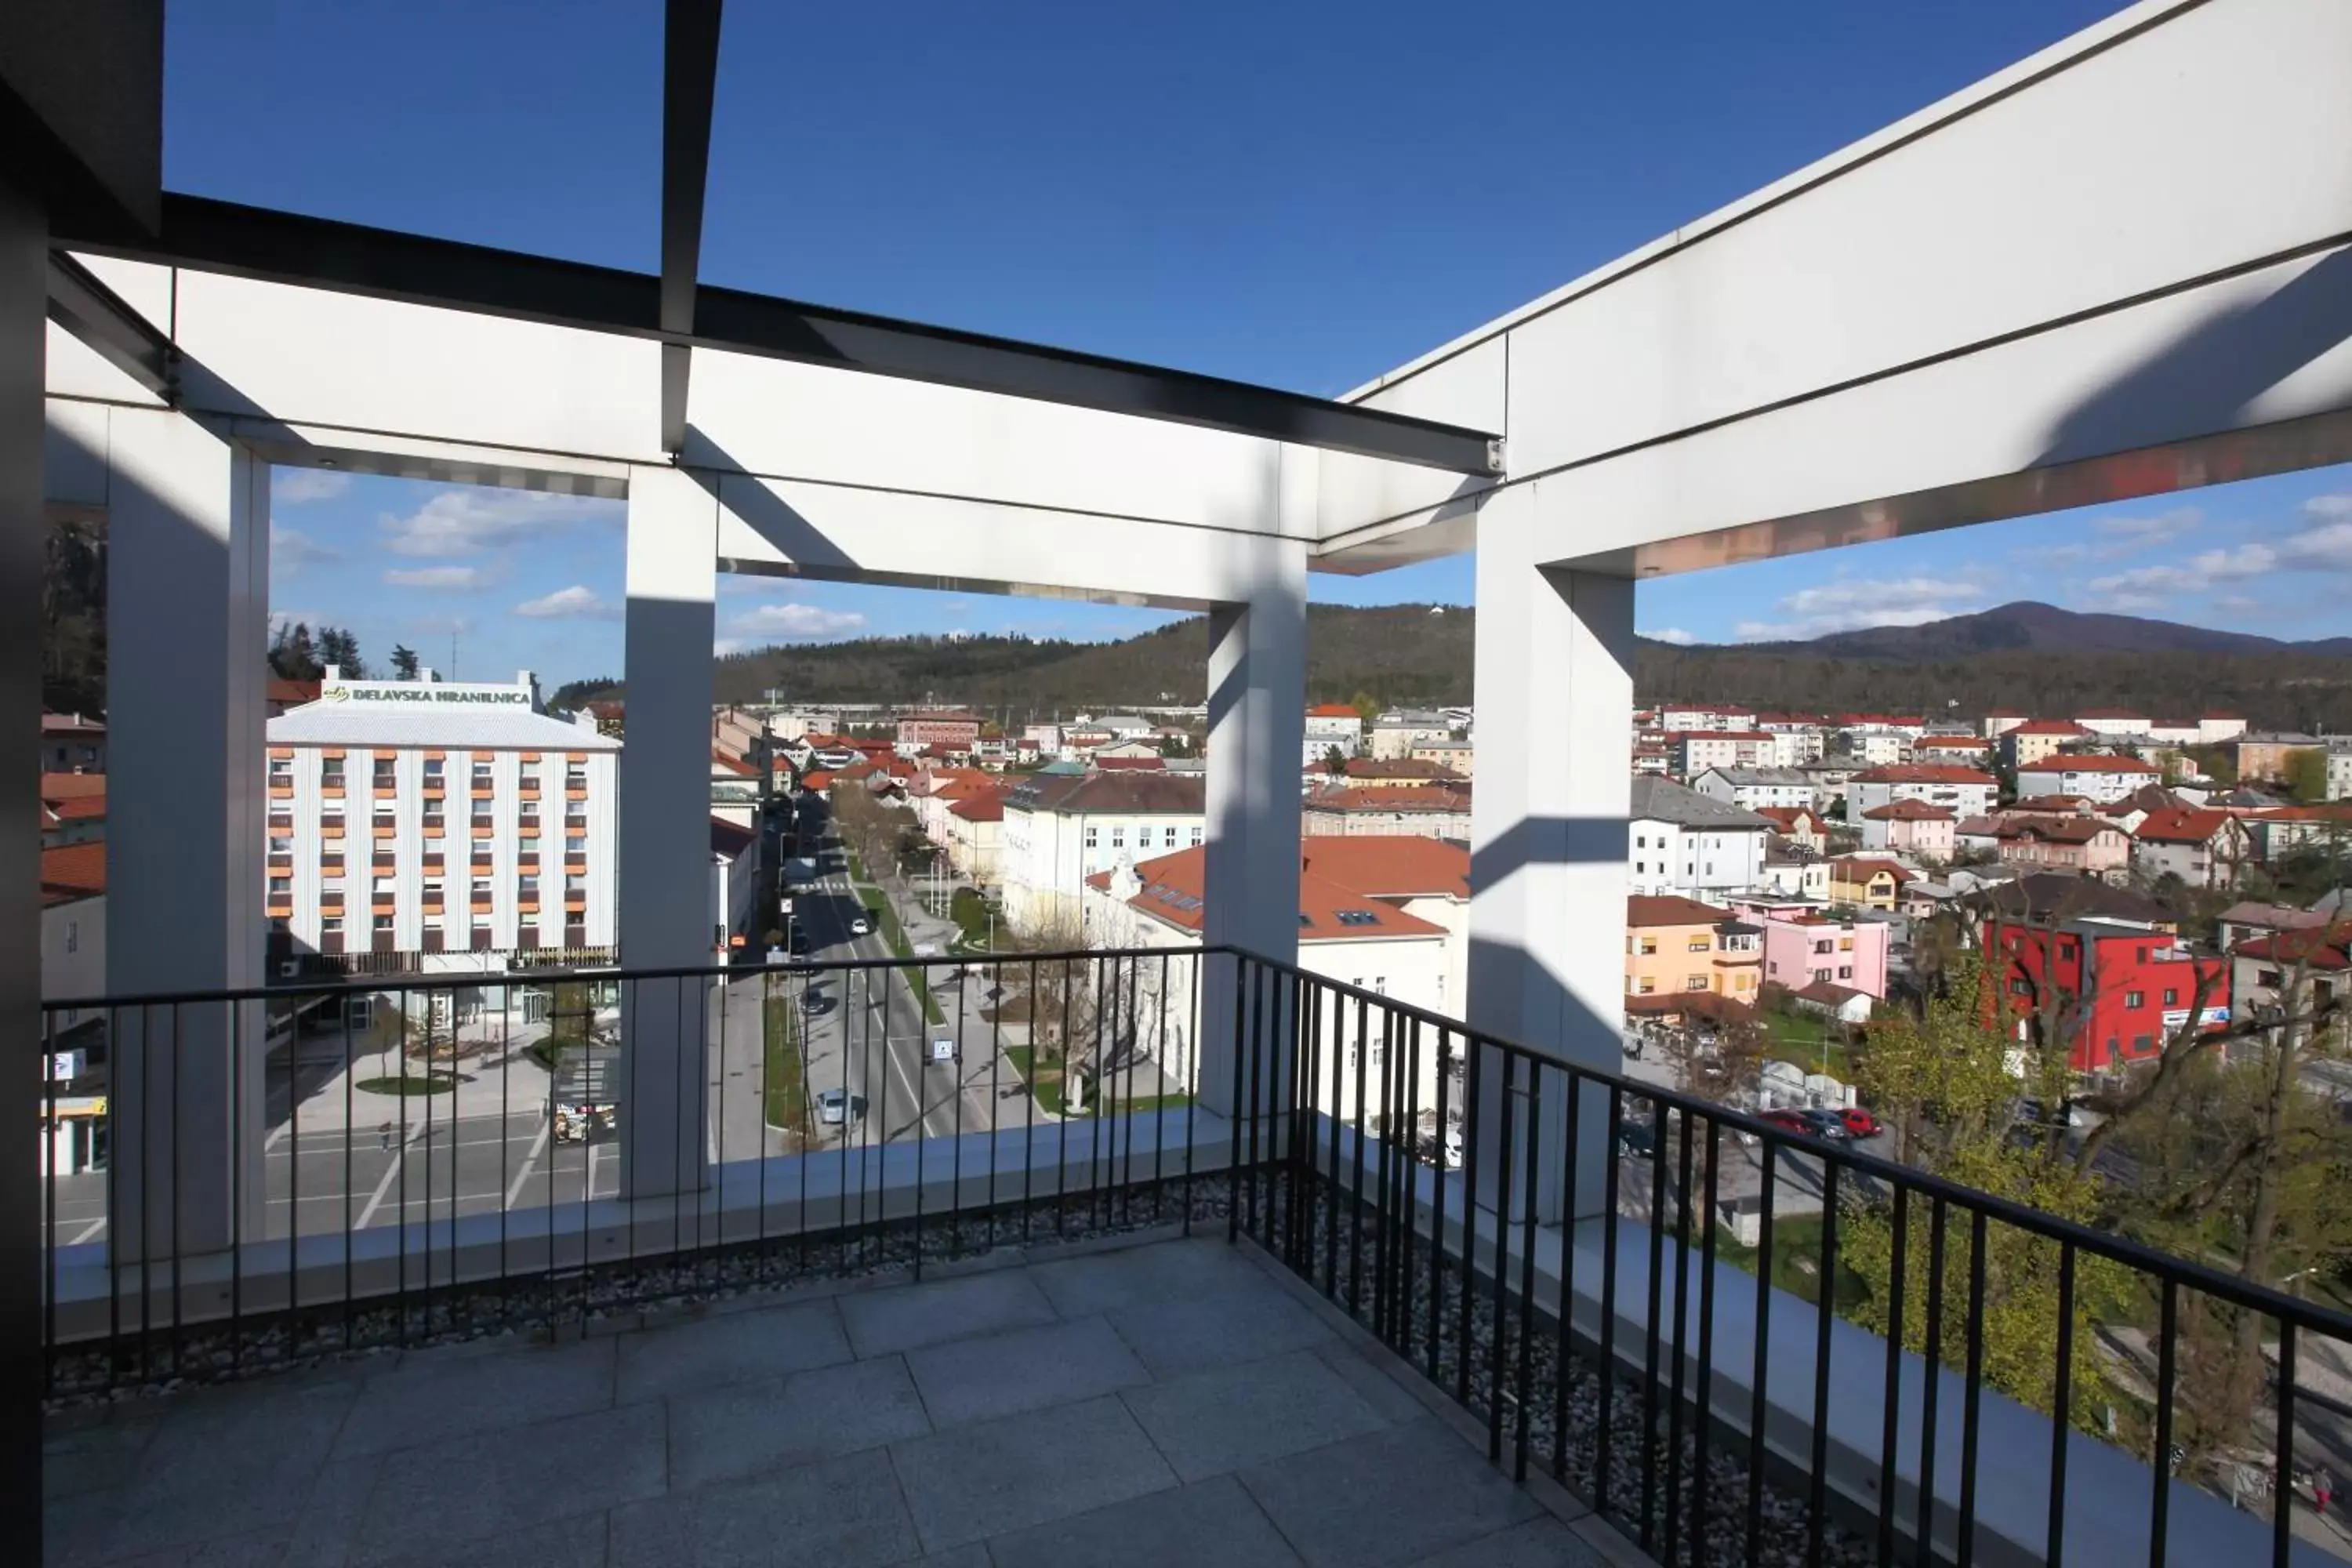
{"x":1798,"y":1039}
{"x":885,"y":921}
{"x":970,"y":912}
{"x":1045,"y":1084}
{"x":408,"y":1083}
{"x":1796,"y":1261}
{"x":784,"y":1087}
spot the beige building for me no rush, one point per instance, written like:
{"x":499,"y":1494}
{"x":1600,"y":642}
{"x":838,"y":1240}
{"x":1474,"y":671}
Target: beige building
{"x":1676,"y":945}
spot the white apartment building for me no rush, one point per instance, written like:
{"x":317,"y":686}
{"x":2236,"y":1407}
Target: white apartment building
{"x":1380,"y":944}
{"x":2113,"y":721}
{"x":2099,"y":779}
{"x":1795,"y":745}
{"x":1331,"y":726}
{"x":1753,"y":788}
{"x":1696,"y":751}
{"x":1685,"y":842}
{"x":1874,"y":747}
{"x":1964,"y":791}
{"x":429,"y":817}
{"x":1396,"y":733}
{"x":1060,"y":828}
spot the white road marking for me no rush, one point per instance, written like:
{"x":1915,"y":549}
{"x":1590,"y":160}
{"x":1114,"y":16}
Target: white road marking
{"x":538,"y":1147}
{"x":90,"y":1234}
{"x":375,"y":1199}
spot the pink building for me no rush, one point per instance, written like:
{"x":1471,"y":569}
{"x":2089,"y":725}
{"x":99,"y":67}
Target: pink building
{"x":1802,"y":946}
{"x":1911,"y":825}
{"x":2091,"y":845}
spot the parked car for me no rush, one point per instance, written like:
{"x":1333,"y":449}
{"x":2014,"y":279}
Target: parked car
{"x":1861,"y":1122}
{"x":1829,"y":1124}
{"x":1636,"y":1138}
{"x":1786,"y":1121}
{"x":838,"y":1107}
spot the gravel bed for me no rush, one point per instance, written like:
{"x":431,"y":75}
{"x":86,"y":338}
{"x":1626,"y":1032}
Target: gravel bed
{"x":163,"y":1361}
{"x":1572,"y":1454}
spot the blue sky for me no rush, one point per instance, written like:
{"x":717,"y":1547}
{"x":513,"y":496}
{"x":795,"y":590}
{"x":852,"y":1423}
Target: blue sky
{"x":1297,"y":194}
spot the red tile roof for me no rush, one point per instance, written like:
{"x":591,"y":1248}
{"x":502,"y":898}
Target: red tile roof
{"x":1908,"y":811}
{"x":1430,"y":798}
{"x":2090,"y":764}
{"x":1332,"y":710}
{"x":72,"y":871}
{"x":2321,"y":947}
{"x":1669,"y":909}
{"x":1923,"y":772}
{"x":73,"y":797}
{"x":2181,"y":825}
{"x":1174,"y":893}
{"x":1391,"y":866}
{"x":1400,"y":768}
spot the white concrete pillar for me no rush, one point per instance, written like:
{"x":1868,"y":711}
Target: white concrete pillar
{"x":664,"y":828}
{"x":1257,"y":722}
{"x":1554,"y":689}
{"x":187,"y":650}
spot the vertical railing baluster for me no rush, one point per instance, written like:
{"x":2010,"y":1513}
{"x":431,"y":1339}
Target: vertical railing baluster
{"x":1654,"y":1340}
{"x":2062,"y":1401}
{"x":1972,"y":1394}
{"x":1445,"y":1046}
{"x":2283,"y":1474}
{"x":1472,"y":1116}
{"x":2159,"y":1515}
{"x":1824,"y":1317}
{"x":1675,"y":1381}
{"x":1932,"y":1387}
{"x":1891,"y":1432}
{"x":1605,"y":1434}
{"x":1703,"y":1417}
{"x":1759,"y":1370}
{"x":1504,"y":1197}
{"x":1356,"y":1194}
{"x":1233,"y":1134}
{"x":1562,"y":1356}
{"x":1527,"y":1260}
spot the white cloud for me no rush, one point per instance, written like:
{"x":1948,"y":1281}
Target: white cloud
{"x":2328,"y":546}
{"x":1674,"y":635}
{"x":577,"y":603}
{"x":2195,"y":574}
{"x":722,"y":646}
{"x":293,"y":487}
{"x":804,"y":621}
{"x":2330,"y":506}
{"x":2141,"y":532}
{"x":468,"y":521}
{"x":1850,"y":604}
{"x":290,"y":550}
{"x":457,"y":579}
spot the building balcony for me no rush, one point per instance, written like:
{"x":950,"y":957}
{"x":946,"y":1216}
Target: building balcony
{"x":1266,"y":1278}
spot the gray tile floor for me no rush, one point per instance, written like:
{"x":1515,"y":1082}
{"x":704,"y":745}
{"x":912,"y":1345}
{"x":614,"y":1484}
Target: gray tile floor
{"x":1167,"y":1404}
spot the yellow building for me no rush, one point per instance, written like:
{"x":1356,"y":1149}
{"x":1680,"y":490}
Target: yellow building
{"x":1675,"y":945}
{"x":1867,"y":881}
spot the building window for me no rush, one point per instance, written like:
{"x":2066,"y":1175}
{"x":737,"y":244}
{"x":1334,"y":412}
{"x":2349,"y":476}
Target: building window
{"x":2135,"y":999}
{"x":1649,"y":945}
{"x":331,"y":770}
{"x":434,"y":770}
{"x":1168,"y":838}
{"x":481,"y":887}
{"x":575,"y":884}
{"x":384,"y":769}
{"x":332,"y":923}
{"x":481,"y":773}
{"x":1695,"y":983}
{"x":576,"y":845}
{"x":1196,"y":837}
{"x":73,"y":936}
{"x":1118,"y":836}
{"x":281,"y":770}
{"x":2018,"y":987}
{"x":526,"y":886}
{"x":530,"y":809}
{"x":280,"y":846}
{"x":1093,"y":836}
{"x":575,"y":776}
{"x":1649,"y":985}
{"x":1701,"y":944}
{"x":383,"y":925}
{"x":2142,"y":1043}
{"x":2172,"y":996}
{"x":1845,"y":971}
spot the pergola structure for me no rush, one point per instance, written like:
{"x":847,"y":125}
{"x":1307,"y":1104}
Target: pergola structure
{"x":2119,"y":268}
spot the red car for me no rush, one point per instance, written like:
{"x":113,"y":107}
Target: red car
{"x":1861,"y":1122}
{"x":1786,"y":1121}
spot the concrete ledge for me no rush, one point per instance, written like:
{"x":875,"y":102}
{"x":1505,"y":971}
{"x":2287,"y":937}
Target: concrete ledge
{"x":779,"y":1200}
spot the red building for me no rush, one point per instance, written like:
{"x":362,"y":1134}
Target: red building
{"x":956,"y":731}
{"x":2138,"y":984}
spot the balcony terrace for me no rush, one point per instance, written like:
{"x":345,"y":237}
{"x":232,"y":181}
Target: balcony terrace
{"x":2116,"y":269}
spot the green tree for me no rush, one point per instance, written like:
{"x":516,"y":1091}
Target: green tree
{"x":1367,"y":707}
{"x":404,"y":666}
{"x":292,"y":653}
{"x":2306,"y":773}
{"x":1335,"y":761}
{"x":1942,"y":1077}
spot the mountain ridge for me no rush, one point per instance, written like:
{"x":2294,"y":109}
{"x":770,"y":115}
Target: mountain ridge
{"x":2026,"y":654}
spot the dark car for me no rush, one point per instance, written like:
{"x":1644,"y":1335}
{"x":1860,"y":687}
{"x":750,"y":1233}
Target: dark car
{"x":1829,"y":1124}
{"x":1636,"y":1138}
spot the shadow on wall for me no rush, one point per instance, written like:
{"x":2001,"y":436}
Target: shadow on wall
{"x":2206,"y":378}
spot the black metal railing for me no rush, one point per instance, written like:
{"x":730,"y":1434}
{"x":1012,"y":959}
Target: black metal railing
{"x":233,"y":1181}
{"x":1746,"y":1344}
{"x":1635,"y":1355}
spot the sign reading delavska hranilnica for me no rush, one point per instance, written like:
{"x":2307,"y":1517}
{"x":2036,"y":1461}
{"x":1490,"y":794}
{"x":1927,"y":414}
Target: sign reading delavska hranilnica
{"x":424,"y":691}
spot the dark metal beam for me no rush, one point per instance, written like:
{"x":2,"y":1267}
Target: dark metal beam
{"x":689,"y":78}
{"x":97,"y":315}
{"x":286,"y":247}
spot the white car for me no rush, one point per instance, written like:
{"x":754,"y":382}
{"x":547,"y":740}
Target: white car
{"x":859,"y":925}
{"x":837,"y":1106}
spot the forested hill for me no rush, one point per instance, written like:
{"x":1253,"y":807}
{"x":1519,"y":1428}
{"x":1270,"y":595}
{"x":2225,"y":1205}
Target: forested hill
{"x":2029,"y":655}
